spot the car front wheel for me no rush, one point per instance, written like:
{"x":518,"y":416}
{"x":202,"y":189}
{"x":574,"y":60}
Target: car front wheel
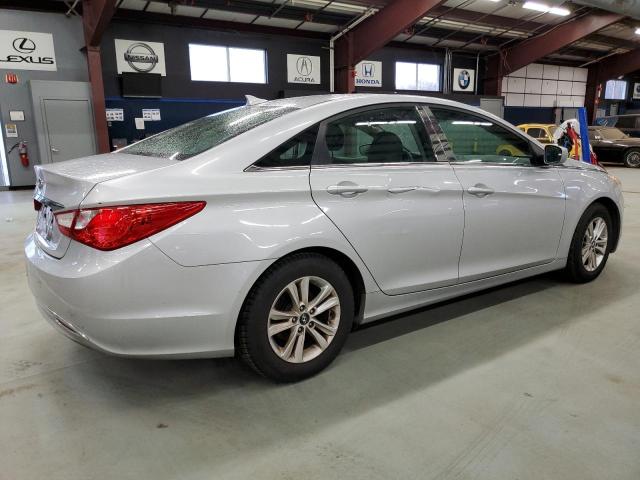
{"x":296,"y":318}
{"x":632,"y":158}
{"x":590,"y":245}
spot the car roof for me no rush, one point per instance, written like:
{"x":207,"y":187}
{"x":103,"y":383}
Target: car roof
{"x":346,"y":99}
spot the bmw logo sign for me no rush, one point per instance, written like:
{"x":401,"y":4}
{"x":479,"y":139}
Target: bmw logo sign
{"x":464,"y":79}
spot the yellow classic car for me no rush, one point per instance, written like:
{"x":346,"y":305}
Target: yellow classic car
{"x":543,"y":132}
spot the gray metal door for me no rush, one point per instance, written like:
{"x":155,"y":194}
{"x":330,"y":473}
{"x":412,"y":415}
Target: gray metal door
{"x":69,"y":128}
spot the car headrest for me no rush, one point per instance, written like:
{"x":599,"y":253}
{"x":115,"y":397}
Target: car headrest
{"x":334,"y":137}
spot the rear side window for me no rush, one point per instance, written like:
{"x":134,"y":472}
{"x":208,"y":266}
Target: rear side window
{"x":537,"y":133}
{"x":386,"y":135}
{"x":295,"y":152}
{"x":479,"y":139}
{"x":205,"y":133}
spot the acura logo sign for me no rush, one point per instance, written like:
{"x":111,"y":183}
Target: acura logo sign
{"x":24,"y":45}
{"x":304,"y":66}
{"x":141,"y":57}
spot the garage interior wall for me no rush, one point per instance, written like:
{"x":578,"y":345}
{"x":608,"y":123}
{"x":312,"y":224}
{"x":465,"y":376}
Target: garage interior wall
{"x":184,"y":100}
{"x":68,"y":39}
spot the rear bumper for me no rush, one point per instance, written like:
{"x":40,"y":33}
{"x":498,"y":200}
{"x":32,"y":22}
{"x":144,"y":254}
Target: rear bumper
{"x":135,"y":301}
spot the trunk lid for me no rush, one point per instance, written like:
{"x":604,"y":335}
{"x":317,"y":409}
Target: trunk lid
{"x":62,"y":186}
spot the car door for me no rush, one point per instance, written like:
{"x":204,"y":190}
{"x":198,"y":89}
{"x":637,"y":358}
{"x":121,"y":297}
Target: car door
{"x":514,"y":211}
{"x":376,"y":177}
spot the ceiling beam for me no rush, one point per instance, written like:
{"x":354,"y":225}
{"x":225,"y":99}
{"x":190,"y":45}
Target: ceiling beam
{"x":96,"y":15}
{"x":539,"y":46}
{"x":374,"y":33}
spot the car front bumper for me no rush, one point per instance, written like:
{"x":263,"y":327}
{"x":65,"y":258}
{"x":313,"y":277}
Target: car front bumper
{"x":136,"y":301}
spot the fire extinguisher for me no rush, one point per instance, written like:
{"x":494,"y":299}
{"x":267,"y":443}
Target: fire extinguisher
{"x":22,"y":151}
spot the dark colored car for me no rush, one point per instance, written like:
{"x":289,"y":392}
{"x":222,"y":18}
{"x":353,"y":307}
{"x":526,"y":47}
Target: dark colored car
{"x":613,"y":145}
{"x":627,"y":123}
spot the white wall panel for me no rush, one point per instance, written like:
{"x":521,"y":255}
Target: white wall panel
{"x":532,"y":100}
{"x":534,"y":70}
{"x":549,"y":87}
{"x":564,"y":88}
{"x":516,"y":85}
{"x":566,"y":73}
{"x":551,"y":72}
{"x":577,"y":101}
{"x":580,"y":74}
{"x":533,"y":85}
{"x":515,"y":99}
{"x":564,"y":102}
{"x":522,"y":72}
{"x":578,"y":88}
{"x":547,"y":100}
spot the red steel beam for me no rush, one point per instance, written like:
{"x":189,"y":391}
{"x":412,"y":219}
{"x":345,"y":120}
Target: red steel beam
{"x":535,"y":48}
{"x":96,"y":15}
{"x":373,"y":33}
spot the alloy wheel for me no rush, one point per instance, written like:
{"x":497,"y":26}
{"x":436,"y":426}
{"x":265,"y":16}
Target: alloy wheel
{"x":633,"y":159}
{"x":594,"y":244}
{"x":303,"y":319}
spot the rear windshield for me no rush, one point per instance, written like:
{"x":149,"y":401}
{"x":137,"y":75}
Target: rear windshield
{"x":195,"y":137}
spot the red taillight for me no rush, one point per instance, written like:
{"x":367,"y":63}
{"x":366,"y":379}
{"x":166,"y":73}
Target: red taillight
{"x":109,"y":228}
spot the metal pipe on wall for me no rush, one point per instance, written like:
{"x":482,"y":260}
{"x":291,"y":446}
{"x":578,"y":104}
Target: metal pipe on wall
{"x":332,"y":40}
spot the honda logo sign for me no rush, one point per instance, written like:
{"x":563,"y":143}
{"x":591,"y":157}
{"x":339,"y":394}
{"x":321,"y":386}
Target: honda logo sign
{"x":27,"y":51}
{"x":368,"y":74}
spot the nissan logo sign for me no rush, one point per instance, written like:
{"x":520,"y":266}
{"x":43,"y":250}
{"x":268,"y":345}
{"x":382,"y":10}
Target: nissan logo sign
{"x":24,"y":45}
{"x":141,"y":57}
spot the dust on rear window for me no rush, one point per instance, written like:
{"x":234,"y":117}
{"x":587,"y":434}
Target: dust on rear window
{"x":200,"y":135}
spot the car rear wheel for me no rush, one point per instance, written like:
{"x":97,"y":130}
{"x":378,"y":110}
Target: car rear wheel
{"x":590,"y":245}
{"x":296,"y":318}
{"x":632,"y":158}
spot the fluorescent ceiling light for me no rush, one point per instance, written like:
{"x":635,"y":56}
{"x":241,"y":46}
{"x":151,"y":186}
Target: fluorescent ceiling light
{"x":541,"y":7}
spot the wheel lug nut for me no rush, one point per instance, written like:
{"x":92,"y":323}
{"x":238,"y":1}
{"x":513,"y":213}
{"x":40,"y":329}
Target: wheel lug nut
{"x":311,"y":324}
{"x":302,"y":307}
{"x":300,"y":329}
{"x":312,"y":310}
{"x":294,"y":320}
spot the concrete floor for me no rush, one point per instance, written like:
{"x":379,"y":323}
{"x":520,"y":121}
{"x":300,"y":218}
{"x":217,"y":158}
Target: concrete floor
{"x":535,"y":380}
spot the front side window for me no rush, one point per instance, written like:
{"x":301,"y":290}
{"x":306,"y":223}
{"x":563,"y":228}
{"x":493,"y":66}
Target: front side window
{"x":387,"y":135}
{"x":200,"y":135}
{"x":215,"y":63}
{"x":477,"y":139}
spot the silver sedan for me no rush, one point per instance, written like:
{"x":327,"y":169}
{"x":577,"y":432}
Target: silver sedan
{"x":273,"y":229}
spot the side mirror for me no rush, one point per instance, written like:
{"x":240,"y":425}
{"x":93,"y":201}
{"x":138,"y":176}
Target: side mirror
{"x":555,"y":155}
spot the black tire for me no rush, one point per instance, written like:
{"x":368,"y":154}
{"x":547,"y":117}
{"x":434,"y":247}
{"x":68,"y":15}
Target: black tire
{"x":632,"y":158}
{"x":252,"y":340}
{"x":575,"y":269}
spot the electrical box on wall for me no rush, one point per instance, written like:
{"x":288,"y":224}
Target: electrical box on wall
{"x":141,"y":85}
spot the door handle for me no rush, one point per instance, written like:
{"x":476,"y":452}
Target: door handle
{"x":54,"y":150}
{"x":402,"y":189}
{"x":346,"y":190}
{"x":480,"y":190}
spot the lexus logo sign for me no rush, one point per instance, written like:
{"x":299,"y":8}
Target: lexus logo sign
{"x":303,"y":69}
{"x":140,"y":56}
{"x":27,"y":51}
{"x":24,"y":45}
